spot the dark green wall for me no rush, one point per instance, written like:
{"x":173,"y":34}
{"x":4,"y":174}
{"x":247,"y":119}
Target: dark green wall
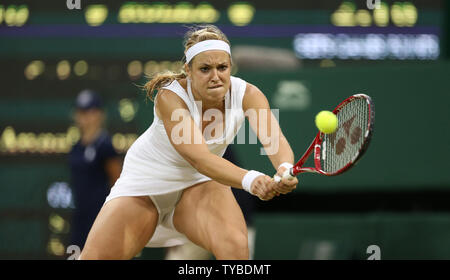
{"x":401,"y":236}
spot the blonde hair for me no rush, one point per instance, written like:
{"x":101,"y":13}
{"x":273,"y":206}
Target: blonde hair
{"x":193,"y":36}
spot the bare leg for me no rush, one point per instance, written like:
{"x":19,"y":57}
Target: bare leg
{"x":209,"y":216}
{"x":187,"y":251}
{"x":122,"y":229}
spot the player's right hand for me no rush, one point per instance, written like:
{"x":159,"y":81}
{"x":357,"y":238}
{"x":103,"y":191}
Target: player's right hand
{"x":286,"y":185}
{"x":263,"y":187}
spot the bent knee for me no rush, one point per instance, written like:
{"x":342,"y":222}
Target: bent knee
{"x":239,"y":241}
{"x":233,"y":245}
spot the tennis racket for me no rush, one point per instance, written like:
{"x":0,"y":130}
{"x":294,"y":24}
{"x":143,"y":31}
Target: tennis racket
{"x":337,"y":152}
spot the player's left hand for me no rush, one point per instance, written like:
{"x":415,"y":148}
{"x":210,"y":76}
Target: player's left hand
{"x":285,"y":185}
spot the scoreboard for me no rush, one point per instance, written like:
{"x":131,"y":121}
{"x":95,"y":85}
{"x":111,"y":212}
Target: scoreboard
{"x":342,"y":30}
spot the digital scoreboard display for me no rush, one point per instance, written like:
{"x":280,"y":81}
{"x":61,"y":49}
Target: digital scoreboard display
{"x":342,"y":30}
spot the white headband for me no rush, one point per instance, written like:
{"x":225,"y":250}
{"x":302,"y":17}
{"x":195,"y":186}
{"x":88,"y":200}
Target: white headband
{"x":207,"y":45}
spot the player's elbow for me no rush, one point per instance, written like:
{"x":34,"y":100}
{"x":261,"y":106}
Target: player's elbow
{"x":201,"y":166}
{"x":198,"y":161}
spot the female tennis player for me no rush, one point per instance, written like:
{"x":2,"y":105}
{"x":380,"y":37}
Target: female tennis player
{"x":174,"y":184}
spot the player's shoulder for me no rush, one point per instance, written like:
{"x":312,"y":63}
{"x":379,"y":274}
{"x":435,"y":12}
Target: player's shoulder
{"x":166,"y":101}
{"x":169,"y":96}
{"x":252,"y":91}
{"x":169,"y":99}
{"x":249,"y":87}
{"x":237,"y":81}
{"x":254,"y":97}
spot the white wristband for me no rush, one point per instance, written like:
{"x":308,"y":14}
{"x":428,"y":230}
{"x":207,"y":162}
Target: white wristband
{"x":287,"y":165}
{"x":249,"y":178}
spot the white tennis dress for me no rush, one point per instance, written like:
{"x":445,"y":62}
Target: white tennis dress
{"x":153,"y":167}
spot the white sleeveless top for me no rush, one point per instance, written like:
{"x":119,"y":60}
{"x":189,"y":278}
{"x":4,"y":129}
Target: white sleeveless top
{"x":152,"y":166}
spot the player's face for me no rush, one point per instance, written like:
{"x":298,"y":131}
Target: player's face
{"x":210,"y":75}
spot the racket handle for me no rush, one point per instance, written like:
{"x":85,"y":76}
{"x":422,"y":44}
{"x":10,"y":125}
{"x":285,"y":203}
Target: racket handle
{"x":286,"y":175}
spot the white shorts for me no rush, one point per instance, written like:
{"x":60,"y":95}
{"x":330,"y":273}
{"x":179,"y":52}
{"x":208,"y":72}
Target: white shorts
{"x":165,"y":234}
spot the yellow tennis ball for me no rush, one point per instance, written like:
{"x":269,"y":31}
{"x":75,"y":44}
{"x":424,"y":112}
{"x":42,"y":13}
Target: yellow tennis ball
{"x":326,"y":122}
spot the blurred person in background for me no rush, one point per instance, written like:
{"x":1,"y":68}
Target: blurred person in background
{"x":94,"y":164}
{"x":190,"y":251}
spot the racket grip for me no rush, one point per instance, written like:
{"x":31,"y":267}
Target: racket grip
{"x":286,"y":175}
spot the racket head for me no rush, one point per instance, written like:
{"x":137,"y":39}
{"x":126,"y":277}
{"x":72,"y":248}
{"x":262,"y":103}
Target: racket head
{"x":335,"y":153}
{"x":342,"y":149}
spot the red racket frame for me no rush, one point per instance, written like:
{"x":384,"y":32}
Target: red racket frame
{"x":317,"y":142}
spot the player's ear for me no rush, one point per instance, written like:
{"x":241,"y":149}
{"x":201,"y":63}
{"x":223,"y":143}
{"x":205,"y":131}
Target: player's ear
{"x":187,"y":70}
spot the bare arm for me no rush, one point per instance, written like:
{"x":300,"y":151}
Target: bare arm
{"x":269,"y":133}
{"x":266,"y":126}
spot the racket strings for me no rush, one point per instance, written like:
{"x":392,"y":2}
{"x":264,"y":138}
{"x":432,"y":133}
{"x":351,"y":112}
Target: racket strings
{"x":342,"y":147}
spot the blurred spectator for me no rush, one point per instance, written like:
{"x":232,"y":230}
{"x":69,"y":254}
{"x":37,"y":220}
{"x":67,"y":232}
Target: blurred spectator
{"x":94,"y":164}
{"x":190,"y":251}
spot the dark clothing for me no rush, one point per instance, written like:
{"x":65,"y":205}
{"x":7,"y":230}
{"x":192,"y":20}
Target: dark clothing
{"x":90,"y":183}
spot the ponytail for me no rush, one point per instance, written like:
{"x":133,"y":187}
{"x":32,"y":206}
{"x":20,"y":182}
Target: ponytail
{"x":160,"y":80}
